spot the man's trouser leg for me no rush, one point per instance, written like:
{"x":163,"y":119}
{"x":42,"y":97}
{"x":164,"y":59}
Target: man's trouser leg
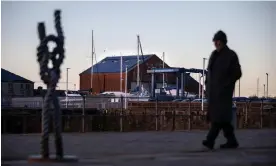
{"x":228,"y":132}
{"x":213,"y":132}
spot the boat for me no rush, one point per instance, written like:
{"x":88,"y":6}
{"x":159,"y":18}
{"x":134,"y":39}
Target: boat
{"x":72,"y":100}
{"x":137,"y":94}
{"x":134,"y":95}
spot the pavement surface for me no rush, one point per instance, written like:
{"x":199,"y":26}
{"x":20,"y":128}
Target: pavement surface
{"x":257,"y":148}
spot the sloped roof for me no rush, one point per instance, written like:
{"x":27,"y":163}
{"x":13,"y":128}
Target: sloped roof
{"x":112,"y":64}
{"x":7,"y":76}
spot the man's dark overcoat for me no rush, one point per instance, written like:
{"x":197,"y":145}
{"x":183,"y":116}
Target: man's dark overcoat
{"x":223,"y":72}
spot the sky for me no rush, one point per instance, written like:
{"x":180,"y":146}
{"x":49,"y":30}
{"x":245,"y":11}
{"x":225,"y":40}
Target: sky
{"x":183,"y":30}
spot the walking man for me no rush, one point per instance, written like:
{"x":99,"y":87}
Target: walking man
{"x":223,"y":72}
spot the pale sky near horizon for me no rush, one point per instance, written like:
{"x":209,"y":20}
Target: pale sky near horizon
{"x":183,"y":30}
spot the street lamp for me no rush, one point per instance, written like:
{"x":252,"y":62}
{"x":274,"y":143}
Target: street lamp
{"x":163,"y":65}
{"x":203,"y":74}
{"x":266,"y":85}
{"x":258,"y":87}
{"x":67,"y":69}
{"x":199,"y":85}
{"x":126,"y":88}
{"x":264,"y":90}
{"x":239,"y":87}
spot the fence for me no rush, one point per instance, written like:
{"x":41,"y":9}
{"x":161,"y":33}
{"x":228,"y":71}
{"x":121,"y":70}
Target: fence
{"x":143,"y":116}
{"x":99,"y":102}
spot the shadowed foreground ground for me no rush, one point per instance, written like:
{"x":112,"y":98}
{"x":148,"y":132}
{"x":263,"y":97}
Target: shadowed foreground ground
{"x":258,"y":147}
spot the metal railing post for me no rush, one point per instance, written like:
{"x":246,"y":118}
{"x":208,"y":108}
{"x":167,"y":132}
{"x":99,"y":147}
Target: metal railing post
{"x":246,"y":115}
{"x":121,"y":114}
{"x":83,"y":113}
{"x":189,"y":116}
{"x":156,"y":114}
{"x":173,"y":116}
{"x":262,"y":109}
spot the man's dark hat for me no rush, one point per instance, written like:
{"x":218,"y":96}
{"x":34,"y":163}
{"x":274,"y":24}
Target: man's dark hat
{"x":221,"y":36}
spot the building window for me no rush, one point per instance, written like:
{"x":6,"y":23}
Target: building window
{"x":10,"y":90}
{"x":22,"y":89}
{"x":28,"y":89}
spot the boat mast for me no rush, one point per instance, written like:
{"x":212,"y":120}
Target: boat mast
{"x":126,"y":88}
{"x":138,"y":64}
{"x":92,"y":60}
{"x":163,"y":58}
{"x":143,"y":58}
{"x":121,"y":73}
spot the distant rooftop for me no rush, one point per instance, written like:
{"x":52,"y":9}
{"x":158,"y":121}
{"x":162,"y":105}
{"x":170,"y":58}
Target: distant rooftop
{"x":7,"y":76}
{"x":112,"y":64}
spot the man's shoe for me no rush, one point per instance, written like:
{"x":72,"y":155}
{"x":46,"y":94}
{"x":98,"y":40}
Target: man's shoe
{"x":209,"y":145}
{"x":229,"y":146}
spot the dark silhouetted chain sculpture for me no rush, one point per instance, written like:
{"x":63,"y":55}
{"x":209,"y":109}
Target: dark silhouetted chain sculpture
{"x":50,"y":76}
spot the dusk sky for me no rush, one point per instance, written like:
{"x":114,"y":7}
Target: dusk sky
{"x":183,"y":30}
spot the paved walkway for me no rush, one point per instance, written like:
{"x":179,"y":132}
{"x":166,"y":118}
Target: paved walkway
{"x":147,"y":149}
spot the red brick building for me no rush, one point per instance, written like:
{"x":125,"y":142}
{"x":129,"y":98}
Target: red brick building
{"x":106,"y":74}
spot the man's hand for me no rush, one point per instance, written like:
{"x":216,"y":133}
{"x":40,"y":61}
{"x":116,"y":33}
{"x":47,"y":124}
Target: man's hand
{"x":235,"y":68}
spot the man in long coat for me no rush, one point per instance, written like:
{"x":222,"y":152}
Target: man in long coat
{"x":223,"y":72}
